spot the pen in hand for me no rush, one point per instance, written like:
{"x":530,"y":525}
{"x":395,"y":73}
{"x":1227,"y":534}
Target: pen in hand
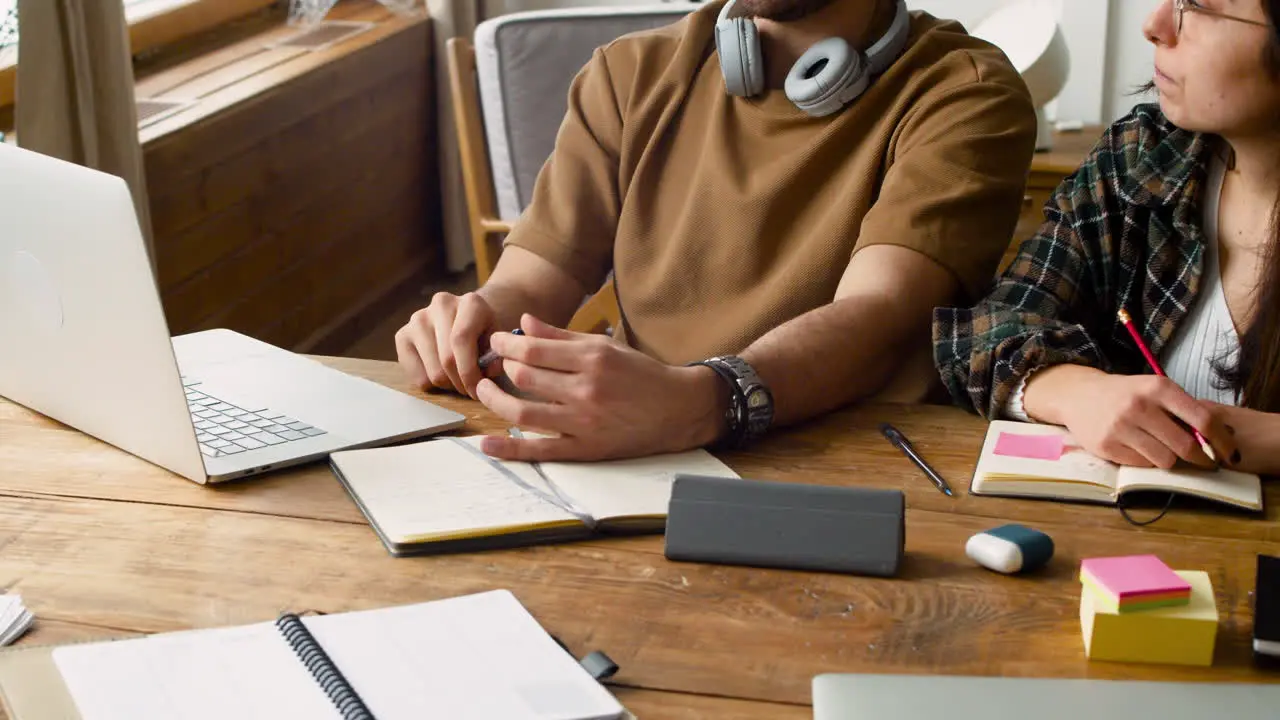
{"x":490,"y":357}
{"x":900,"y":440}
{"x":1127,"y":321}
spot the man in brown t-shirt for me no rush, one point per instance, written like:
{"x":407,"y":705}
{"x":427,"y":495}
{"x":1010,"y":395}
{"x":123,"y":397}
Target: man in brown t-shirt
{"x":801,"y":256}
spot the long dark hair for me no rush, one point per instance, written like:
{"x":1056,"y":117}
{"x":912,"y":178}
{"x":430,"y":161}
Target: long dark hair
{"x":1255,"y":375}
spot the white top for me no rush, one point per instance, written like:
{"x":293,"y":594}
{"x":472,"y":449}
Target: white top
{"x":1207,"y":334}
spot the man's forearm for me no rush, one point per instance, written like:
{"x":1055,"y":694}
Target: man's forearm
{"x":509,"y":301}
{"x":834,"y":355}
{"x":524,"y":282}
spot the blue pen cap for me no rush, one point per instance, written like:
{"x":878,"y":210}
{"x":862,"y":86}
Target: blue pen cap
{"x":1010,"y":549}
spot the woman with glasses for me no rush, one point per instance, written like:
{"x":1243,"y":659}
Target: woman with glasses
{"x":1174,"y":219}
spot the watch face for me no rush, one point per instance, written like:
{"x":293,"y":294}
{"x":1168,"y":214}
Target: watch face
{"x":757,"y":398}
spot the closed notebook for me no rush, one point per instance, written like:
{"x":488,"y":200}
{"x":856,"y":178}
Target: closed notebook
{"x":472,"y":657}
{"x":1044,"y":461}
{"x":446,"y":495}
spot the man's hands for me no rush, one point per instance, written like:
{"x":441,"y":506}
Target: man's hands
{"x":602,"y":399}
{"x":440,"y":345}
{"x":1139,"y":420}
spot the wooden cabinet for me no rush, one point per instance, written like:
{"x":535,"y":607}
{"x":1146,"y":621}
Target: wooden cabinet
{"x":1047,"y":171}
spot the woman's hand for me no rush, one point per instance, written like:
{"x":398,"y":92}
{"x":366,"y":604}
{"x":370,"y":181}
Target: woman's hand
{"x":1139,"y":420}
{"x":1256,"y":434}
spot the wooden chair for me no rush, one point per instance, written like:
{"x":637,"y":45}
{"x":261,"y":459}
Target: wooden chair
{"x":543,"y":51}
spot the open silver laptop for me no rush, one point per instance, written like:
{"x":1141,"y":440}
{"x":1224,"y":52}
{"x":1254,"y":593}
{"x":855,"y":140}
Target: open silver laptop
{"x":83,"y":340}
{"x":924,"y":697}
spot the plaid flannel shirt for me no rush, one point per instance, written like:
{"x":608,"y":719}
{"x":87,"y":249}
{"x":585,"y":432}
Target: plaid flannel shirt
{"x":1123,"y":231}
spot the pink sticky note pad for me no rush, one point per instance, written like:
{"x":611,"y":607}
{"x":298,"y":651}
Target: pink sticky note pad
{"x":1134,"y":575}
{"x":1030,"y":447}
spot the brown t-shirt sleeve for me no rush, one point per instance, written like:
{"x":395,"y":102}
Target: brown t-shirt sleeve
{"x":959,"y":169}
{"x":572,"y":218}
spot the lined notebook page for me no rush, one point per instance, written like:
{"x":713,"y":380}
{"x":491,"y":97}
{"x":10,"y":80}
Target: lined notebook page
{"x":438,"y":488}
{"x":1223,"y":484}
{"x":246,"y":672}
{"x":473,"y":657}
{"x":635,"y":487}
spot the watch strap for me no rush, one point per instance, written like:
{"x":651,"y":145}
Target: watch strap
{"x":735,"y":415}
{"x":751,"y":403}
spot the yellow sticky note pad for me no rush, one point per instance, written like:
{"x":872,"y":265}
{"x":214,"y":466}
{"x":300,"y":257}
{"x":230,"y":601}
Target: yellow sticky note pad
{"x":1183,"y":635}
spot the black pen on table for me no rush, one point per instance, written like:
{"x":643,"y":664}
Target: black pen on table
{"x":900,"y":440}
{"x":488,"y":358}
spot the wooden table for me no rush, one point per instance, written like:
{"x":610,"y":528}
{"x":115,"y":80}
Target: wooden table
{"x":101,"y":544}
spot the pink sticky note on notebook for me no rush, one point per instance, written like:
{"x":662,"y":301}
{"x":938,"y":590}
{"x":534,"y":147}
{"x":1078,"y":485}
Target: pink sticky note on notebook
{"x":1030,"y":447}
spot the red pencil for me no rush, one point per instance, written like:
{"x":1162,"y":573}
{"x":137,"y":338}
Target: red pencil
{"x":1155,"y":366}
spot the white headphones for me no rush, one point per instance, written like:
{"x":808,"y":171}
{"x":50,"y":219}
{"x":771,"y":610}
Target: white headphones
{"x":830,"y":75}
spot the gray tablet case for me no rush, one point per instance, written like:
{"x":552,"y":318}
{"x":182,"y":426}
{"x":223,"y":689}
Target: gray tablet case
{"x":729,"y":521}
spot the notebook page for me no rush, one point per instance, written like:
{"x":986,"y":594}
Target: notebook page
{"x":634,"y":487}
{"x":438,"y":488}
{"x":1223,"y":485}
{"x":248,"y":672}
{"x":1088,"y":473}
{"x":474,"y":657}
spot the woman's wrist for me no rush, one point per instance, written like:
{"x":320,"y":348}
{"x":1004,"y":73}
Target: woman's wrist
{"x":1051,"y":391}
{"x":1268,"y":443}
{"x":1257,"y":434}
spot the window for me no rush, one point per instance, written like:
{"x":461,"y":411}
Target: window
{"x":152,"y":23}
{"x":9,"y":13}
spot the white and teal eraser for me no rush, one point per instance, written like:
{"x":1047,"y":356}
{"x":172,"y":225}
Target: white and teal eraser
{"x":1010,"y":549}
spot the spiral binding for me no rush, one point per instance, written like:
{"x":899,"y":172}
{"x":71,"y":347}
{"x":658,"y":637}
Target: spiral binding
{"x":321,"y":667}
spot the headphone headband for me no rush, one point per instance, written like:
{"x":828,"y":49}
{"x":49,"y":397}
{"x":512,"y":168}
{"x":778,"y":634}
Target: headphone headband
{"x":729,"y":11}
{"x":886,"y":50}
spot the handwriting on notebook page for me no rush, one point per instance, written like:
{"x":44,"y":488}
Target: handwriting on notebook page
{"x":438,"y":488}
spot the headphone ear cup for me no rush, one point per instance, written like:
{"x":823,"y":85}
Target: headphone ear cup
{"x":738,"y":47}
{"x":828,"y":76}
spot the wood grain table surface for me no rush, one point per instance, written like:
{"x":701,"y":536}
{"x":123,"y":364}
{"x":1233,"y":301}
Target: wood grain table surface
{"x":103,"y":545}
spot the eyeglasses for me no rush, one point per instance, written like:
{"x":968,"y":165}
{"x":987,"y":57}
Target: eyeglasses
{"x":1181,"y":7}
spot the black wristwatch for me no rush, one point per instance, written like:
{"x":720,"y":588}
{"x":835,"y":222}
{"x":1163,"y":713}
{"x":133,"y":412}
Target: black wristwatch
{"x":750,"y":411}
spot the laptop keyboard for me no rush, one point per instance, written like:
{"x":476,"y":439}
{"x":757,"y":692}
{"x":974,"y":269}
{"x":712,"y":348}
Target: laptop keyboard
{"x":224,"y":429}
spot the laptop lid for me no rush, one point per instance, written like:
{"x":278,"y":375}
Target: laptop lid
{"x":927,"y":697}
{"x":83,"y":337}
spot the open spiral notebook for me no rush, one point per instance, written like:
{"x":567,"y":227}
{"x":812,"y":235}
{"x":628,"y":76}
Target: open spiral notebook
{"x":473,"y":657}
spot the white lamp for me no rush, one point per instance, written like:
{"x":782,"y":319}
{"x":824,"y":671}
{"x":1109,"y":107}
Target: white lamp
{"x":1028,"y":33}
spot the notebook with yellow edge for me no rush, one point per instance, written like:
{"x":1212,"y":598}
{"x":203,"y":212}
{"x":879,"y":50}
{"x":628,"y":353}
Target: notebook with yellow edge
{"x":445,"y":495}
{"x":1044,"y":461}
